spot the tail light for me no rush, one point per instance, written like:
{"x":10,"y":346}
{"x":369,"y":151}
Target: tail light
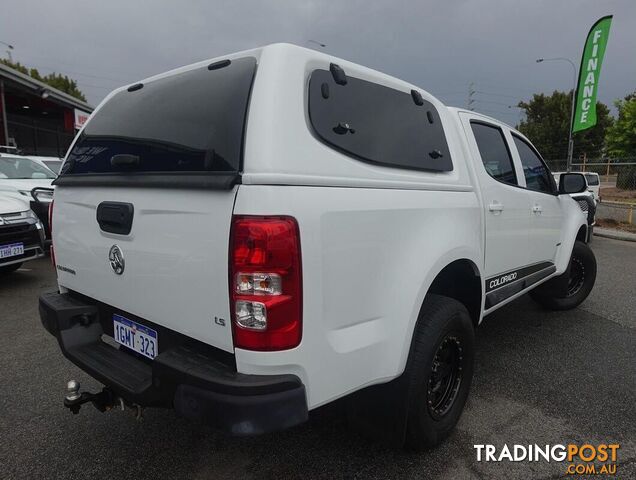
{"x":51,"y":232}
{"x":265,"y":283}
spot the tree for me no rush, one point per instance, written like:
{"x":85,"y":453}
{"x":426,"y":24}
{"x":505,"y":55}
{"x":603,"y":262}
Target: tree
{"x":55,"y":80}
{"x":630,"y":96}
{"x":547,"y":122}
{"x":621,"y":136}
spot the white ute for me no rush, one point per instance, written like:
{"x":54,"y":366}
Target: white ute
{"x":249,"y":238}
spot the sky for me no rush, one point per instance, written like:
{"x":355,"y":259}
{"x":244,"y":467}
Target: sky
{"x":441,"y":46}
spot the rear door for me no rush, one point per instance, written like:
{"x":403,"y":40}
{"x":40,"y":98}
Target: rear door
{"x":505,"y":202}
{"x":144,"y":203}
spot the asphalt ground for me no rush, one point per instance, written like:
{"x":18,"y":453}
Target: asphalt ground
{"x":541,"y":378}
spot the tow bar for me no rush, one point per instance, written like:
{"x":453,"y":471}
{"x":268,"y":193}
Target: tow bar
{"x":103,"y":401}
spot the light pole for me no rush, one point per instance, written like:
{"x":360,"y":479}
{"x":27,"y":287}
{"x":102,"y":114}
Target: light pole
{"x":10,"y":47}
{"x":570,"y":141}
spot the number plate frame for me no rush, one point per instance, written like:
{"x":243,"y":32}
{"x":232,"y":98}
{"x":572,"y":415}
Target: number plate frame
{"x":11,"y":250}
{"x":135,"y":336}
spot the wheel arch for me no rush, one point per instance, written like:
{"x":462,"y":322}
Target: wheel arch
{"x":457,"y":265}
{"x":381,"y":402}
{"x":461,"y":280}
{"x":574,"y":228}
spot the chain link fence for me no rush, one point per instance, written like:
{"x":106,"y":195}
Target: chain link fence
{"x":617,"y":181}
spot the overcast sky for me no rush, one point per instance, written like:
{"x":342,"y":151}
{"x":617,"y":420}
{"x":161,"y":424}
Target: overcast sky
{"x":441,"y":46}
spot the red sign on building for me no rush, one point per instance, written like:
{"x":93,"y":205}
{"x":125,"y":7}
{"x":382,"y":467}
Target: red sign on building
{"x":80,"y":118}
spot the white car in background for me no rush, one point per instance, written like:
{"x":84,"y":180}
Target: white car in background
{"x":21,"y":234}
{"x":587,"y":200}
{"x":28,"y":180}
{"x":19,"y":175}
{"x":593,"y":184}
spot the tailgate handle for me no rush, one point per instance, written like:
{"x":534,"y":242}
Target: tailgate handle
{"x":115,"y":217}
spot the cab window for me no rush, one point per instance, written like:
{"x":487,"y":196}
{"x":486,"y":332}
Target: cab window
{"x":494,"y":152}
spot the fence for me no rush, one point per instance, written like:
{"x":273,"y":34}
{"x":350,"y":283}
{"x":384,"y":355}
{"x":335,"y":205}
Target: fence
{"x":617,"y":189}
{"x":36,"y":139}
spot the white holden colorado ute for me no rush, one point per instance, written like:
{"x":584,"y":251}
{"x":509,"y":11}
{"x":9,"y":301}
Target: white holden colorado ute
{"x":249,"y":238}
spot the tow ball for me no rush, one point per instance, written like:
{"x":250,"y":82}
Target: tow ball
{"x":103,"y":401}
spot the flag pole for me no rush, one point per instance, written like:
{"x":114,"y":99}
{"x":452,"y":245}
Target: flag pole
{"x":570,"y":140}
{"x":572,"y":107}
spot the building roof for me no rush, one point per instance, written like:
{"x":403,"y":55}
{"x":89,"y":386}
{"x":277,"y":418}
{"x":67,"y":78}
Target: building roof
{"x":38,"y":87}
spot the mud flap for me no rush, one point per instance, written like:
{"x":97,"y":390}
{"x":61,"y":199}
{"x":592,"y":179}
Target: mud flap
{"x":380,"y":412}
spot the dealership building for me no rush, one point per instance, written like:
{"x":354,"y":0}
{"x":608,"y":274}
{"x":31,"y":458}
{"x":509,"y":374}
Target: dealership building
{"x":35,"y":117}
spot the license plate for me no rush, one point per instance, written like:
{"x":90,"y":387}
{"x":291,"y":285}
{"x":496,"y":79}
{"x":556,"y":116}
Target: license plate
{"x":11,"y":250}
{"x":135,"y":336}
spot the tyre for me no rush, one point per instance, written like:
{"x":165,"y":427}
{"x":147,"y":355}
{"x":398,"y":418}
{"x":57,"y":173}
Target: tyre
{"x":439,"y":371}
{"x":580,"y":280}
{"x":10,"y":268}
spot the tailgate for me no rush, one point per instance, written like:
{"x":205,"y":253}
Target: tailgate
{"x":175,"y":256}
{"x":162,"y":158}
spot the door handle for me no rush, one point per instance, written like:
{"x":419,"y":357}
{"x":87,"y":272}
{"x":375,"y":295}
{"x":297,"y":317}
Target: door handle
{"x":537,"y":209}
{"x":115,"y":217}
{"x":495,"y":206}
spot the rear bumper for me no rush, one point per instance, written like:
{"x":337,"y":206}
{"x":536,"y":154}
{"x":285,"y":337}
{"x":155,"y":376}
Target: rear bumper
{"x":182,"y":377}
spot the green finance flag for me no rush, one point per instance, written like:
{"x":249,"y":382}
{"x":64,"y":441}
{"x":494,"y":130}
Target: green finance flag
{"x":589,"y":73}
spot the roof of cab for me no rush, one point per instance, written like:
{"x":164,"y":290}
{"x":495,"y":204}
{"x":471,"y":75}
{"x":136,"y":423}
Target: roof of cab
{"x":485,"y":117}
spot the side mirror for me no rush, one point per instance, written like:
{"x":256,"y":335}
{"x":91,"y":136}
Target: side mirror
{"x":572,"y":183}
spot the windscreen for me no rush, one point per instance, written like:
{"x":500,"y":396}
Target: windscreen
{"x":189,"y":122}
{"x":19,"y":168}
{"x":53,"y":165}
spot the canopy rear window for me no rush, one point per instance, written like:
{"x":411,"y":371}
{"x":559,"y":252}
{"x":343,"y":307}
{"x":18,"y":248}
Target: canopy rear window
{"x":192,"y":122}
{"x":378,"y":124}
